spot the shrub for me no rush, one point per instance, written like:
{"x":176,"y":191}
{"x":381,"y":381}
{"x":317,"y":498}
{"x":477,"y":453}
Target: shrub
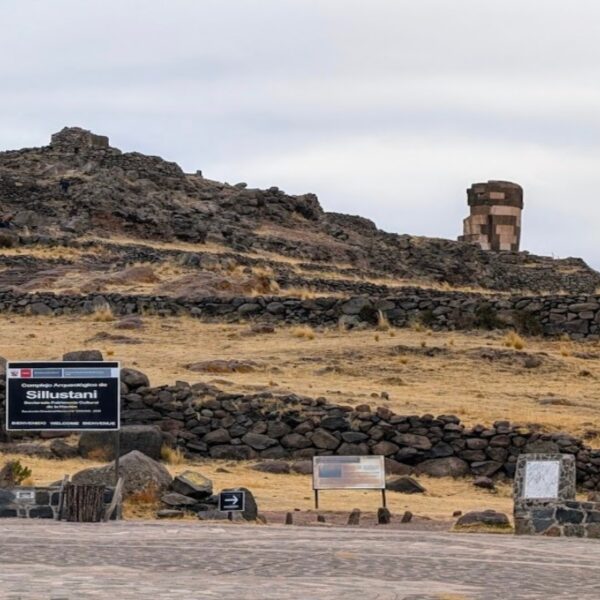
{"x":172,"y":456}
{"x":304,"y":332}
{"x":514,"y":340}
{"x":103,"y":314}
{"x":527,"y":322}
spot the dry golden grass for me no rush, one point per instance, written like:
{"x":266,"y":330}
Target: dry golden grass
{"x":513,"y":340}
{"x":345,"y":366}
{"x":172,"y":456}
{"x":102,"y":314}
{"x":305,"y":332}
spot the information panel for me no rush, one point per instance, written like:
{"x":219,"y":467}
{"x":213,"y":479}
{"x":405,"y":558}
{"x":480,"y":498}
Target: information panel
{"x":542,"y":479}
{"x":348,"y":472}
{"x":45,"y":396}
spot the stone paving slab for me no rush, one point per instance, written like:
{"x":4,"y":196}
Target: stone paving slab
{"x":187,"y":560}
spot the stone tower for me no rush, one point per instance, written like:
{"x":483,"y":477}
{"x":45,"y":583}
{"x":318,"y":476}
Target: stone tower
{"x":495,"y":219}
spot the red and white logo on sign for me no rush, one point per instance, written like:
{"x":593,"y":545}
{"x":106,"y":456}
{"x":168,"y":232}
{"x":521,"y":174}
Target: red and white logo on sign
{"x":25,"y":372}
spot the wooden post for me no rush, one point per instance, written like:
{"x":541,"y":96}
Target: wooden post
{"x":383,"y":498}
{"x":83,"y":503}
{"x":116,"y":501}
{"x":316,"y":499}
{"x":61,"y":498}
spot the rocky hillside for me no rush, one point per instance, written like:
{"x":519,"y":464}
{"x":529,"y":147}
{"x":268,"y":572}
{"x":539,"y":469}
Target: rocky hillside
{"x":79,"y":185}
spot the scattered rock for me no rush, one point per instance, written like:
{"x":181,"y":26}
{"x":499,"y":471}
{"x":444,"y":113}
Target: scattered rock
{"x":384,"y":516}
{"x":277,"y":467}
{"x":83,"y":355}
{"x":487,"y":518}
{"x":484,"y":482}
{"x":192,"y":484}
{"x":354,"y":518}
{"x":177,"y":500}
{"x":406,"y":517}
{"x":169,"y":513}
{"x":223,"y":366}
{"x":404,"y":485}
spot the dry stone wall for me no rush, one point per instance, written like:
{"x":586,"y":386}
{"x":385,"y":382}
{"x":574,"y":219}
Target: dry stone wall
{"x":204,"y":421}
{"x":575,"y":315}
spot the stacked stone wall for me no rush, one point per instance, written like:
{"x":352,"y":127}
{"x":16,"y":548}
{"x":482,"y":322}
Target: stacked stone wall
{"x":206,"y":422}
{"x":577,"y":316}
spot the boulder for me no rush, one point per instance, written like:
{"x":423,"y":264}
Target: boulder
{"x":83,"y":355}
{"x":250,"y":512}
{"x":487,"y":518}
{"x":450,"y":466}
{"x":258,"y":441}
{"x":385,"y":448}
{"x":192,"y":484}
{"x":101,"y":444}
{"x":302,"y":467}
{"x":139,"y":472}
{"x":393,"y":467}
{"x":404,"y":485}
{"x":324,"y":440}
{"x":134,"y":378}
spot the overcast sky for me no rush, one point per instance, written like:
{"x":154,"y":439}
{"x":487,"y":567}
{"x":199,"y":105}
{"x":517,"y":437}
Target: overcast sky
{"x":385,"y":108}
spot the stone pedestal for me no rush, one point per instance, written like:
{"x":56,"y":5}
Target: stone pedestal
{"x":545,"y":503}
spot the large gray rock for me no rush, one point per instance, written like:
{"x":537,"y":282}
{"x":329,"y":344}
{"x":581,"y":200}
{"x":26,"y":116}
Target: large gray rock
{"x":134,"y":378}
{"x":488,"y":518}
{"x":139,"y":472}
{"x":451,"y":466}
{"x":101,"y":444}
{"x":404,"y":485}
{"x":258,"y":441}
{"x":193,"y":484}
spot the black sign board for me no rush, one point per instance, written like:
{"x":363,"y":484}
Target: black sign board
{"x":232,"y":501}
{"x":46,"y":396}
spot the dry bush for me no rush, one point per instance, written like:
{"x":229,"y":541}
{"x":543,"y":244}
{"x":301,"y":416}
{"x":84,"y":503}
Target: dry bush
{"x":172,"y":456}
{"x":513,"y":340}
{"x":103,"y":314}
{"x":303,"y":332}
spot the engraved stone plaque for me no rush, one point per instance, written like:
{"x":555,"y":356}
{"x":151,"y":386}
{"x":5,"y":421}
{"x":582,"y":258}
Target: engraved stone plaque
{"x":541,"y":479}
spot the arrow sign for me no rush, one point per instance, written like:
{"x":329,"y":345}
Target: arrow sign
{"x":232,"y":501}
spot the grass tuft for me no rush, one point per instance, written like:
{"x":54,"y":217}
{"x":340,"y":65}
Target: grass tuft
{"x":172,"y":456}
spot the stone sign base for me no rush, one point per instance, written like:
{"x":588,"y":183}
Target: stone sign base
{"x":36,"y":502}
{"x":557,"y":518}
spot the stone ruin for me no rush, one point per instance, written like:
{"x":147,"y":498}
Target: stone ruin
{"x":495,"y":219}
{"x":76,"y":138}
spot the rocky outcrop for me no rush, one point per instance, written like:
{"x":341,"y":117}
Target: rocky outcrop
{"x":79,"y":184}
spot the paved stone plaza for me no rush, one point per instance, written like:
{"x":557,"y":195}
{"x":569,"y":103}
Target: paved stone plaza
{"x":188,"y":560}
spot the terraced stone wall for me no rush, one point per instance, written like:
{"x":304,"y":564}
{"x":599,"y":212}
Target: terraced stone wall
{"x":577,"y":316}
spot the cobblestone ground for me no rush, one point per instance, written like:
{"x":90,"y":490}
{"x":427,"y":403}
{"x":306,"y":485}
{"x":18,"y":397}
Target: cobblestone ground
{"x":188,"y":560}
